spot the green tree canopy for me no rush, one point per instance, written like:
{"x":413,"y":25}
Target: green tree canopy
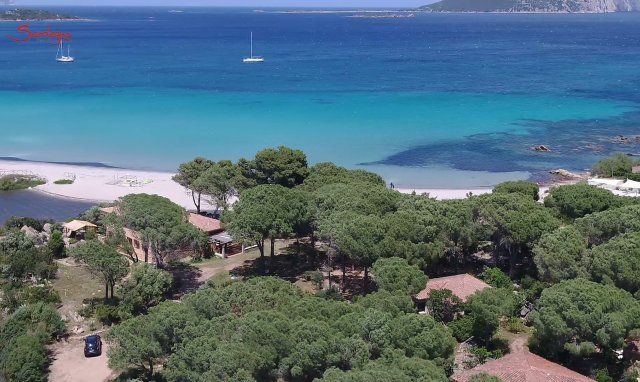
{"x":146,"y":287}
{"x":20,"y":258}
{"x":360,"y":198}
{"x":39,"y":320}
{"x":135,"y":342}
{"x":485,"y":309}
{"x":520,"y":186}
{"x":163,"y":226}
{"x":514,"y":223}
{"x":443,"y":305}
{"x":602,"y":226}
{"x":393,"y":303}
{"x":218,"y":183}
{"x":396,"y":275}
{"x":269,"y":212}
{"x":190,"y":176}
{"x":496,"y":278}
{"x":617,"y":262}
{"x":392,"y":367}
{"x":355,"y":237}
{"x":323,"y":174}
{"x":283,"y":166}
{"x":24,"y":359}
{"x":577,"y":315}
{"x":619,"y":165}
{"x":103,"y":262}
{"x":578,"y":200}
{"x":559,"y":254}
{"x":416,"y":236}
{"x":56,"y":246}
{"x":267,"y":328}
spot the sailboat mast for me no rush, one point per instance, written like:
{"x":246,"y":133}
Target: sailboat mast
{"x":252,"y":44}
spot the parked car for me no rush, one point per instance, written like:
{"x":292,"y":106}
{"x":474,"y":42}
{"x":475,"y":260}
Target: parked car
{"x":92,"y":346}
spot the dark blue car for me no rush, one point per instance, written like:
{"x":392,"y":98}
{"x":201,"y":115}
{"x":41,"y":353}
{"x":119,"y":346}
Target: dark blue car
{"x":92,"y":346}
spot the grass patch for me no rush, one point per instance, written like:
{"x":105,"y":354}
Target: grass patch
{"x":20,"y":182}
{"x":64,"y":181}
{"x":75,"y":284}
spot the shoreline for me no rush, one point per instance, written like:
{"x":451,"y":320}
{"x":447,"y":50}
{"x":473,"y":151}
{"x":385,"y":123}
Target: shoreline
{"x":99,"y":183}
{"x":95,"y":184}
{"x":49,"y":21}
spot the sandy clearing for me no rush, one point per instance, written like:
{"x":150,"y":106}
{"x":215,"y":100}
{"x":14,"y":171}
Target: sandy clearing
{"x":70,"y":365}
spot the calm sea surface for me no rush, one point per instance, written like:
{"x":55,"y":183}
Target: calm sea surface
{"x":439,"y":100}
{"x":36,"y":205}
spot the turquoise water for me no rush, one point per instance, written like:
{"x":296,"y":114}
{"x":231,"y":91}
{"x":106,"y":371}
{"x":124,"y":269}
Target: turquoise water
{"x":435,"y":101}
{"x":156,"y":130}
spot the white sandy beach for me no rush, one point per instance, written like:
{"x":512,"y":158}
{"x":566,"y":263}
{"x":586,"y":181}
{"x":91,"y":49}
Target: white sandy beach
{"x":100,"y":184}
{"x":450,"y":193}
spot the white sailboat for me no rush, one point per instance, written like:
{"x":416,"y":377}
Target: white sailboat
{"x":252,"y":58}
{"x":60,"y":57}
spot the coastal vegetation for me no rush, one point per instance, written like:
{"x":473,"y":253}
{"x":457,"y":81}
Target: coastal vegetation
{"x":536,"y":6}
{"x":31,"y":320}
{"x":329,"y":294}
{"x":33,"y":15}
{"x":11,"y":182}
{"x":64,"y":181}
{"x":617,"y":166}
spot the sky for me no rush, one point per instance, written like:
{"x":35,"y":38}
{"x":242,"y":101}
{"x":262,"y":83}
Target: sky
{"x":252,"y":3}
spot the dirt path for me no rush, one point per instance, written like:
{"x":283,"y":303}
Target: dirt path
{"x":225,"y":265}
{"x":70,"y":365}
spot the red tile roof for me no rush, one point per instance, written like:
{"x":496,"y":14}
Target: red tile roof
{"x":523,"y":366}
{"x":108,"y":210}
{"x":462,"y":286}
{"x":205,"y":224}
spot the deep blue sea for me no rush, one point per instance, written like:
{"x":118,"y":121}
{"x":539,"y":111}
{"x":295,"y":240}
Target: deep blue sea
{"x":439,"y":100}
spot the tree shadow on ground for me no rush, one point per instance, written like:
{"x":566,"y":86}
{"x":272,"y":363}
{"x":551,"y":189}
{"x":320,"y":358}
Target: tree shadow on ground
{"x":290,"y":264}
{"x":185,"y":279}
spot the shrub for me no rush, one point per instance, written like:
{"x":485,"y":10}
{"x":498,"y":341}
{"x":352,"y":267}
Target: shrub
{"x":521,"y":187}
{"x":39,"y":320}
{"x":515,"y":325}
{"x":578,"y":200}
{"x":64,"y":181}
{"x":483,"y":354}
{"x":330,"y":294}
{"x":24,"y":359}
{"x":19,"y":182}
{"x":18,"y":222}
{"x":108,"y":314}
{"x":397,"y":275}
{"x":444,"y":305}
{"x":496,"y":278}
{"x":14,"y":296}
{"x":602,"y":375}
{"x":462,"y":328}
{"x":146,"y":287}
{"x":619,"y":165}
{"x":316,"y":277}
{"x":56,"y":245}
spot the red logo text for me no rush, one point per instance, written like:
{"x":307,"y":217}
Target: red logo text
{"x":47,"y":34}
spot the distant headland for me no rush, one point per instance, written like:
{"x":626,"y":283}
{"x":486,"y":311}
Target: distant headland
{"x":533,"y":6}
{"x":35,"y":15}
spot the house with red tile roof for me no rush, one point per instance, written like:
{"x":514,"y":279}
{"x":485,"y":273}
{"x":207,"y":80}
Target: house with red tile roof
{"x":208,"y":225}
{"x":523,"y":366}
{"x":463,"y":286}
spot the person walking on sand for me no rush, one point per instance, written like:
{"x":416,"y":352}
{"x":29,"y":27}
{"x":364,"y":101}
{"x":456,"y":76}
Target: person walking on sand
{"x":392,"y":186}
